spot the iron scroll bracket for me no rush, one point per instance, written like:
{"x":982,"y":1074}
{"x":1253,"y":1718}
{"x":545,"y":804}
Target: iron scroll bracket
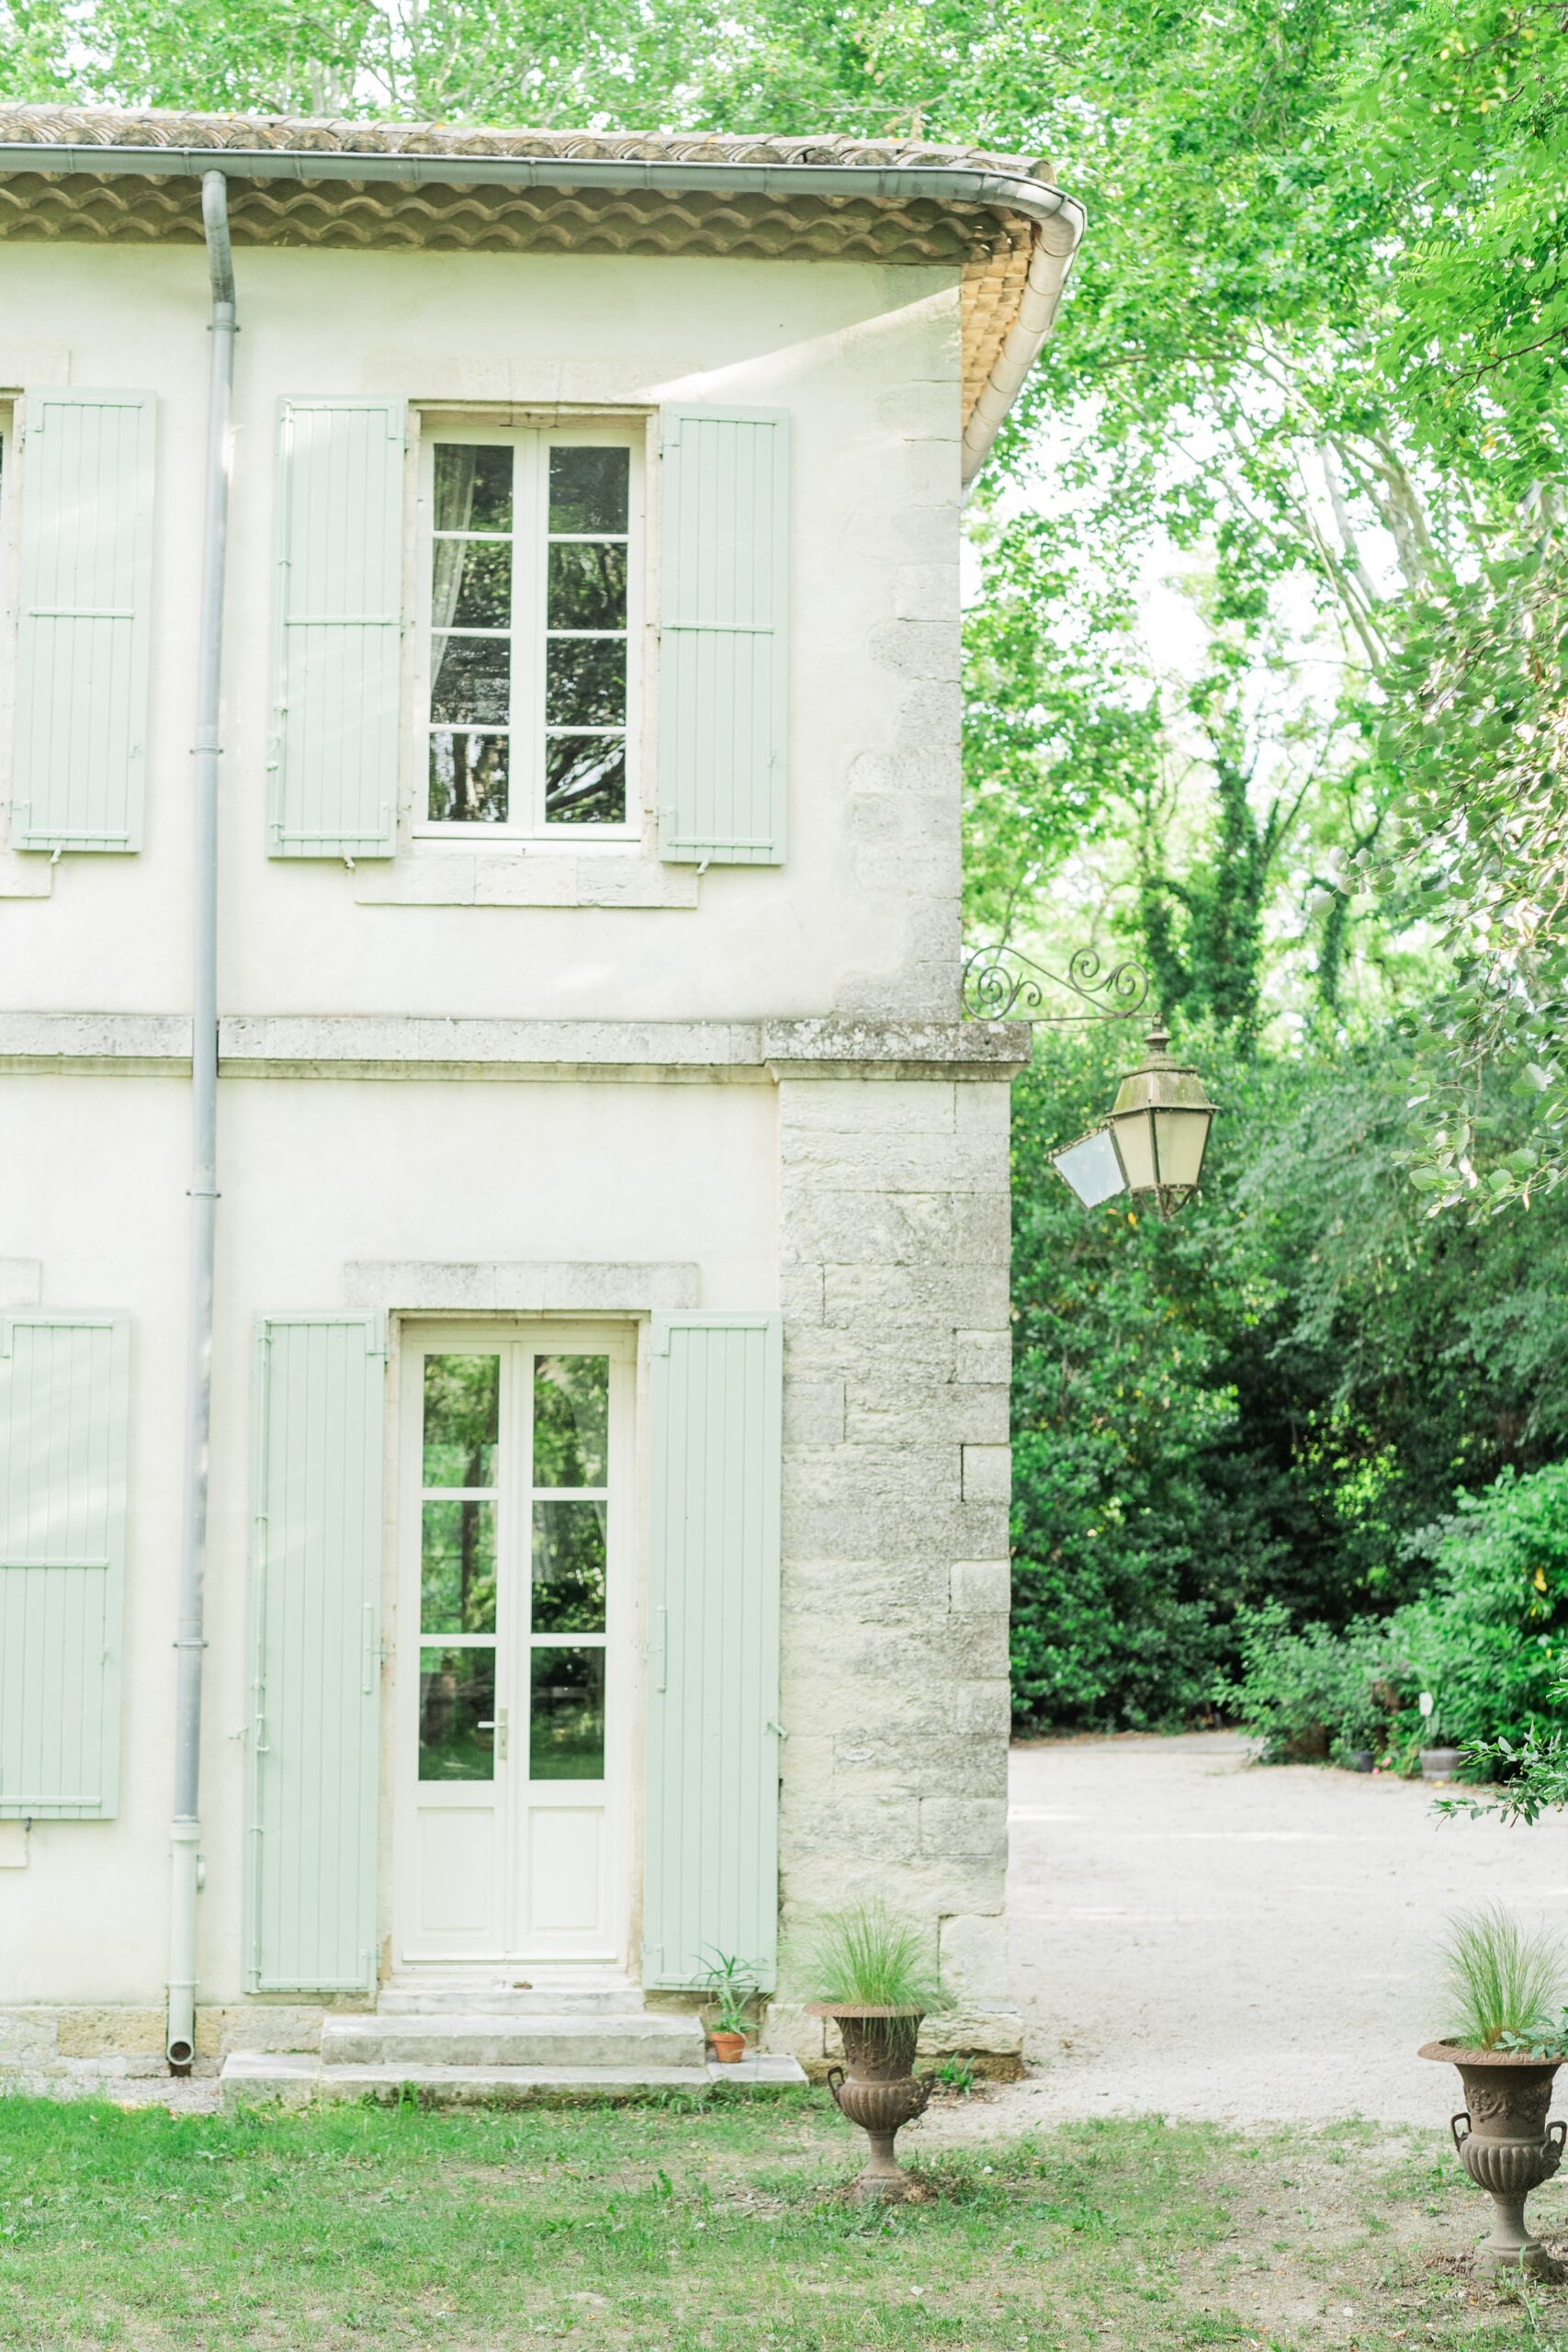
{"x":999,"y":980}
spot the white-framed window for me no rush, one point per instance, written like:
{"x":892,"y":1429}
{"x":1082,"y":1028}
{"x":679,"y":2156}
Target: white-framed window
{"x":531,"y":558}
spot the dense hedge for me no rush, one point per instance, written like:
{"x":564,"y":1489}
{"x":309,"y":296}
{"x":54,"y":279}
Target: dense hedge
{"x":1485,"y":1642}
{"x":1270,"y":1403}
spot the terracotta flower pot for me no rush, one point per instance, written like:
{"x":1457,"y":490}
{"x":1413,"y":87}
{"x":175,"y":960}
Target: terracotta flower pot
{"x":877,"y":2087}
{"x":728,"y":2048}
{"x":1506,"y":2145}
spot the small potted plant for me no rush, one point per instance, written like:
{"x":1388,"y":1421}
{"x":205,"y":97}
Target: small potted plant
{"x":1438,"y":1762}
{"x":1505,"y":1981}
{"x":875,"y":1984}
{"x":732,"y":1987}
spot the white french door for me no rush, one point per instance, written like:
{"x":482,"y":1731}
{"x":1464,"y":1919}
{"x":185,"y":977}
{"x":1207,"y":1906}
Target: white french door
{"x":512,"y":1700}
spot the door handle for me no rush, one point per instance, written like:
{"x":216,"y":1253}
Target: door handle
{"x":497,"y":1723}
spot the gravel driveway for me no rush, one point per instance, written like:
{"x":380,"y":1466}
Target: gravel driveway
{"x":1196,"y":1936}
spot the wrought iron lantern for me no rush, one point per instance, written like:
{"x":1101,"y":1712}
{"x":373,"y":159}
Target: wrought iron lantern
{"x":1152,"y":1145}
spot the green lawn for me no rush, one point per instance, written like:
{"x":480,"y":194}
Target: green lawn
{"x":662,"y":2228}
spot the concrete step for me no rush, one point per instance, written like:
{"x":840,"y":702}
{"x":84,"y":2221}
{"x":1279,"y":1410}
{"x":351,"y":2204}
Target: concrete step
{"x":547,"y":1992}
{"x":591,"y":2040}
{"x":253,"y":2076}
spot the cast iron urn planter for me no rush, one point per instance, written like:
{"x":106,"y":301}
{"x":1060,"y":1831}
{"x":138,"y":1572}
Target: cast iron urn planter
{"x":877,"y":2086}
{"x":1506,"y":2145}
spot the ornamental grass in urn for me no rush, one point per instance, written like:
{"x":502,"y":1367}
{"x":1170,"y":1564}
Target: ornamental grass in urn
{"x":1505,"y":1981}
{"x":875,"y":1980}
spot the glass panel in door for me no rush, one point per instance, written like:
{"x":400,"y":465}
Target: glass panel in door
{"x":565,"y":1838}
{"x":460,"y":1738}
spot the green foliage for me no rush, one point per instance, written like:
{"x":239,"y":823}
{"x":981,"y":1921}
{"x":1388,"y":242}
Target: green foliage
{"x":868,"y":1954}
{"x":1534,"y":1769}
{"x":1486,"y":1641}
{"x":1542,"y":2040}
{"x":1475,"y":745}
{"x":1266,"y":1401}
{"x":1303,"y":1696}
{"x":1061,"y":721}
{"x":1502,"y":1980}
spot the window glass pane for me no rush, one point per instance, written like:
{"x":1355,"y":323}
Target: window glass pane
{"x":589,"y":489}
{"x":568,"y":1567}
{"x":588,"y":584}
{"x":585,"y":682}
{"x":456,"y":1714}
{"x":456,"y":1572}
{"x":473,"y":487}
{"x":469,"y":779}
{"x":471,"y":584}
{"x":462,"y":1419}
{"x":565,"y":1725}
{"x":470,"y":678}
{"x":572,"y":1420}
{"x":585,"y":780}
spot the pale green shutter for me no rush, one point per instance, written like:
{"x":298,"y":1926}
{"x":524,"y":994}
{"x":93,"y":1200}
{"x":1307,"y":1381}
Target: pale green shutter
{"x":63,"y":1398}
{"x":337,"y":632}
{"x":723,"y":652}
{"x":82,"y":620}
{"x":315,"y":1673}
{"x":710,"y":1881}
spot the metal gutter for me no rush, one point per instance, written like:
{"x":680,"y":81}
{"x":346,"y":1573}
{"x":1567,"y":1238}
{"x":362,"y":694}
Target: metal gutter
{"x":1056,"y":242}
{"x":1058,"y":219}
{"x":185,"y":1833}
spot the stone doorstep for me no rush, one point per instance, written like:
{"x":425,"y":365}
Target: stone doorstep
{"x":583,"y":1993}
{"x":567,"y":2040}
{"x":249,"y":2076}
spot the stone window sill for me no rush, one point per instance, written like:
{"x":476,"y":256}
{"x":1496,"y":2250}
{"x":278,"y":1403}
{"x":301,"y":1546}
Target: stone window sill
{"x":526,"y":878}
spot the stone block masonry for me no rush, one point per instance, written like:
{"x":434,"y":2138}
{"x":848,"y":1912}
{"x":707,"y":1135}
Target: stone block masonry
{"x":894,"y":1242}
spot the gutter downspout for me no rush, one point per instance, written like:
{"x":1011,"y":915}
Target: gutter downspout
{"x":1058,"y":219}
{"x":186,"y":1829}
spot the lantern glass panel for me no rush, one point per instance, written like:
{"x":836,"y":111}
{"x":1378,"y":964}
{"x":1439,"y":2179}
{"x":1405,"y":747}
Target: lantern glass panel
{"x":1091,"y":1168}
{"x":1134,"y":1145}
{"x":1181,"y":1136}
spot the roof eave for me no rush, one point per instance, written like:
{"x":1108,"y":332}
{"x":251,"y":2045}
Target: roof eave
{"x":1058,"y":220}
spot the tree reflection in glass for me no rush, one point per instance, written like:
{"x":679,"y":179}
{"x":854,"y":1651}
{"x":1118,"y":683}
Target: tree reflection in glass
{"x":471,"y":675}
{"x":572,"y":1420}
{"x":566,"y":1739}
{"x":462,"y":1419}
{"x":456,"y":1714}
{"x":568,"y":1567}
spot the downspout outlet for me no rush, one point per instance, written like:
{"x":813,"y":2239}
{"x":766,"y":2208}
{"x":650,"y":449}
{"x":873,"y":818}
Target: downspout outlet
{"x":186,"y":1838}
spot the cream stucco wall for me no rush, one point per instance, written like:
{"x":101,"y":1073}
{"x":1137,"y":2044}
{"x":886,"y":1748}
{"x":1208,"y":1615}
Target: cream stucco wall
{"x":318,"y":1177}
{"x":864,"y":915}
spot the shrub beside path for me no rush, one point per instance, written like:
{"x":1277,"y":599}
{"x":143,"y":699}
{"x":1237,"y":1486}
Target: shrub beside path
{"x":1196,"y":1937}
